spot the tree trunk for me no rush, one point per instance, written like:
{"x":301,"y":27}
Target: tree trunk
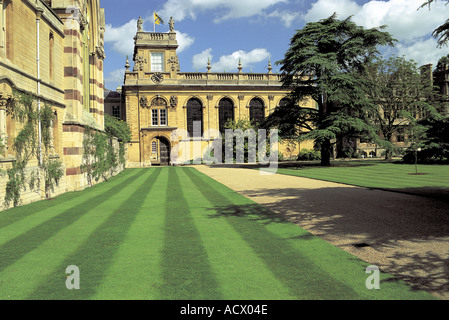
{"x":326,"y":151}
{"x":388,"y":151}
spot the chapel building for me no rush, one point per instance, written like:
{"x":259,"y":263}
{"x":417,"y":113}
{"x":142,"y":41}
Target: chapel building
{"x":163,"y":104}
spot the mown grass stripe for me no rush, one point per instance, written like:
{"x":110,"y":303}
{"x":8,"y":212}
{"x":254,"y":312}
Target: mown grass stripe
{"x":240,"y":272}
{"x":59,"y":202}
{"x":303,"y":278}
{"x":32,"y":239}
{"x":95,"y":255}
{"x":20,"y":279}
{"x":186,"y":269}
{"x":34,"y":219}
{"x":135,"y":272}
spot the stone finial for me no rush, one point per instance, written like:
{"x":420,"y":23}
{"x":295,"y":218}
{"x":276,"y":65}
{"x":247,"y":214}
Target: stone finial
{"x":127,"y":66}
{"x":208,"y":65}
{"x":269,"y":66}
{"x":240,"y":66}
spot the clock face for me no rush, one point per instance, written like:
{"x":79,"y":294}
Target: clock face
{"x":157,"y":77}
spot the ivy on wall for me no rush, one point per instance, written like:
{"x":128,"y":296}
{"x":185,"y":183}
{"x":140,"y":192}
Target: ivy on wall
{"x":99,"y":156}
{"x":26,"y":146}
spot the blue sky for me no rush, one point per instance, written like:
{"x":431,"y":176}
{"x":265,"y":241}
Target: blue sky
{"x":256,"y":31}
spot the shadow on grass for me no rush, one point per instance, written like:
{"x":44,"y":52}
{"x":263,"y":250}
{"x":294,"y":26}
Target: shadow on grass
{"x":96,"y":253}
{"x":19,"y":246}
{"x":383,"y":220}
{"x":186,"y":270}
{"x":288,"y":265}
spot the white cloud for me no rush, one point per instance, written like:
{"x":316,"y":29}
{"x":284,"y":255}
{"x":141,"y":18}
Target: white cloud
{"x":227,"y":9}
{"x":122,"y":37}
{"x":199,"y":61}
{"x":229,"y":63}
{"x":405,"y":22}
{"x":184,"y":41}
{"x":423,"y":52}
{"x":402,"y":17}
{"x":114,"y":78}
{"x":286,"y":17}
{"x":325,"y":8}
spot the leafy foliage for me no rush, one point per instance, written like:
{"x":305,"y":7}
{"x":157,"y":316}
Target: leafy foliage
{"x":117,"y":128}
{"x":27,"y":145}
{"x":397,"y":95}
{"x":324,"y":62}
{"x":99,"y":155}
{"x":434,"y":142}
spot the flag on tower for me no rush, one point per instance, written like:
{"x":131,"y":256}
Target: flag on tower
{"x":157,"y":19}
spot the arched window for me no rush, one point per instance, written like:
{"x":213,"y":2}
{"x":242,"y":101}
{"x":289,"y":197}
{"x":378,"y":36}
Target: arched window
{"x":284,"y":102}
{"x":153,"y":147}
{"x":256,"y":110}
{"x":194,"y":118}
{"x":226,"y":113}
{"x":158,"y":109}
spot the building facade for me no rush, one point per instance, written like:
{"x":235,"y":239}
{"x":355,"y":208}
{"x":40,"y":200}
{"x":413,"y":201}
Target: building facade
{"x":52,"y":50}
{"x":181,"y":113}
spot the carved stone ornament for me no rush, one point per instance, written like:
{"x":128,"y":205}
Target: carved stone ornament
{"x":157,"y":77}
{"x":158,"y":102}
{"x":143,"y":102}
{"x":241,"y":97}
{"x":139,"y":62}
{"x":173,"y":101}
{"x":5,"y":95}
{"x":174,"y":62}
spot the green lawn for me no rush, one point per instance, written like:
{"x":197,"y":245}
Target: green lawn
{"x":172,"y":233}
{"x":431,"y":180}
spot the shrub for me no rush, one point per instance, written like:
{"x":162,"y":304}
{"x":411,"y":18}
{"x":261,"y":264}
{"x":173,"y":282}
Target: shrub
{"x":306,"y":154}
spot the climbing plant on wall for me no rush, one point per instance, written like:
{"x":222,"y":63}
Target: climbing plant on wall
{"x":27,"y":145}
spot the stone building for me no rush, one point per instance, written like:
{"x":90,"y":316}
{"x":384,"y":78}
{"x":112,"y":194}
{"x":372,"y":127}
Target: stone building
{"x":113,"y":104}
{"x":163,"y":104}
{"x":53,"y":51}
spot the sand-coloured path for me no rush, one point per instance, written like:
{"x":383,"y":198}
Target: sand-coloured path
{"x":405,"y":235}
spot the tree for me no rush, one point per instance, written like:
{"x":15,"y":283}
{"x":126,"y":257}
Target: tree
{"x":442,"y":32}
{"x":398,"y":95}
{"x":434,"y":142}
{"x":323,"y":63}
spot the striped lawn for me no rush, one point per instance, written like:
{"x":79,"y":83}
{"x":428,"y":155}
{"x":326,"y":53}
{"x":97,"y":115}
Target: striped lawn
{"x":173,"y":233}
{"x":393,"y":176}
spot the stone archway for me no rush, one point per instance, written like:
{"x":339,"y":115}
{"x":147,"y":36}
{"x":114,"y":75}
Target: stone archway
{"x":164,"y":151}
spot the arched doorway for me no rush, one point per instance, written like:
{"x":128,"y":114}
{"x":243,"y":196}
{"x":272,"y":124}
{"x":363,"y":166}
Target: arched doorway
{"x":164,"y":151}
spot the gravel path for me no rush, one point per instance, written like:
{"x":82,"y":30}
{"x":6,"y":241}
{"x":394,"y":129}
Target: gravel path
{"x":405,"y":235}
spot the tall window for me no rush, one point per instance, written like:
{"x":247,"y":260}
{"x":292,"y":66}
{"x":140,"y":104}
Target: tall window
{"x":157,"y":61}
{"x":116,"y":111}
{"x":9,"y":25}
{"x":256,"y":110}
{"x":51,"y":49}
{"x":158,"y":112}
{"x":194,"y":117}
{"x":226,"y":113}
{"x":400,"y":135}
{"x":154,"y":147}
